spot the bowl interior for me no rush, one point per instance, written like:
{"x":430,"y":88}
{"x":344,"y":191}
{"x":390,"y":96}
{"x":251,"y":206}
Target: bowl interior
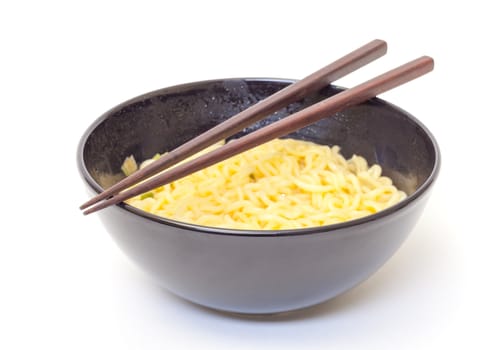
{"x":161,"y":120}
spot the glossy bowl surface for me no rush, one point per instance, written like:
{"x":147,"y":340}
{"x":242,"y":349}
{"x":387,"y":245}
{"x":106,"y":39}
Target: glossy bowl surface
{"x":258,"y":272}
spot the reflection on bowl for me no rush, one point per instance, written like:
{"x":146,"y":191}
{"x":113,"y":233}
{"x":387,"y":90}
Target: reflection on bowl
{"x":258,"y":271}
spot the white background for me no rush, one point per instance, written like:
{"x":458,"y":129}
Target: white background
{"x":65,"y":284}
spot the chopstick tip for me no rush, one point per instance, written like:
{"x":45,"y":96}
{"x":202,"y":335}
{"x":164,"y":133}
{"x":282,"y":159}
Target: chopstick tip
{"x":381,"y":43}
{"x":428,"y":62}
{"x":89,"y":203}
{"x":430,"y":59}
{"x":87,"y":212}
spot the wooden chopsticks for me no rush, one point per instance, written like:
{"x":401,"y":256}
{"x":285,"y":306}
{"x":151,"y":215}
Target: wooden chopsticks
{"x":321,"y":78}
{"x":326,"y":108}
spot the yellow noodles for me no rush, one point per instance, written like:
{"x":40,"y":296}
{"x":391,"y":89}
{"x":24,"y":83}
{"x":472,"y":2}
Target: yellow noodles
{"x":283,"y":184}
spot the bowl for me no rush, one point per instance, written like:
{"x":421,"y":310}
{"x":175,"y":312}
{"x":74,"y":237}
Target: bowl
{"x":258,"y":272}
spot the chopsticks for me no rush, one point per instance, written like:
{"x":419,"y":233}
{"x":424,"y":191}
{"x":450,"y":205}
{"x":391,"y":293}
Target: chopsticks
{"x":317,"y":80}
{"x":325,"y":108}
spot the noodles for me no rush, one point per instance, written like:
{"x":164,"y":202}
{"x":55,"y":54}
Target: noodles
{"x":282,"y":184}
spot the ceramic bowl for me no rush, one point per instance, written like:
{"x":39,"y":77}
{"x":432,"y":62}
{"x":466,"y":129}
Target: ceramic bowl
{"x":258,"y":272}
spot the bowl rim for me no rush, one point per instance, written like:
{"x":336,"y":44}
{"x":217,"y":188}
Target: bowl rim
{"x":326,"y":229}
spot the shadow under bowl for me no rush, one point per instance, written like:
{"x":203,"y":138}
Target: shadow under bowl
{"x":258,"y":272}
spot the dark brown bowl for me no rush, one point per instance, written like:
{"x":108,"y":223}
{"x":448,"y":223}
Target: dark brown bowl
{"x":258,"y":272}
